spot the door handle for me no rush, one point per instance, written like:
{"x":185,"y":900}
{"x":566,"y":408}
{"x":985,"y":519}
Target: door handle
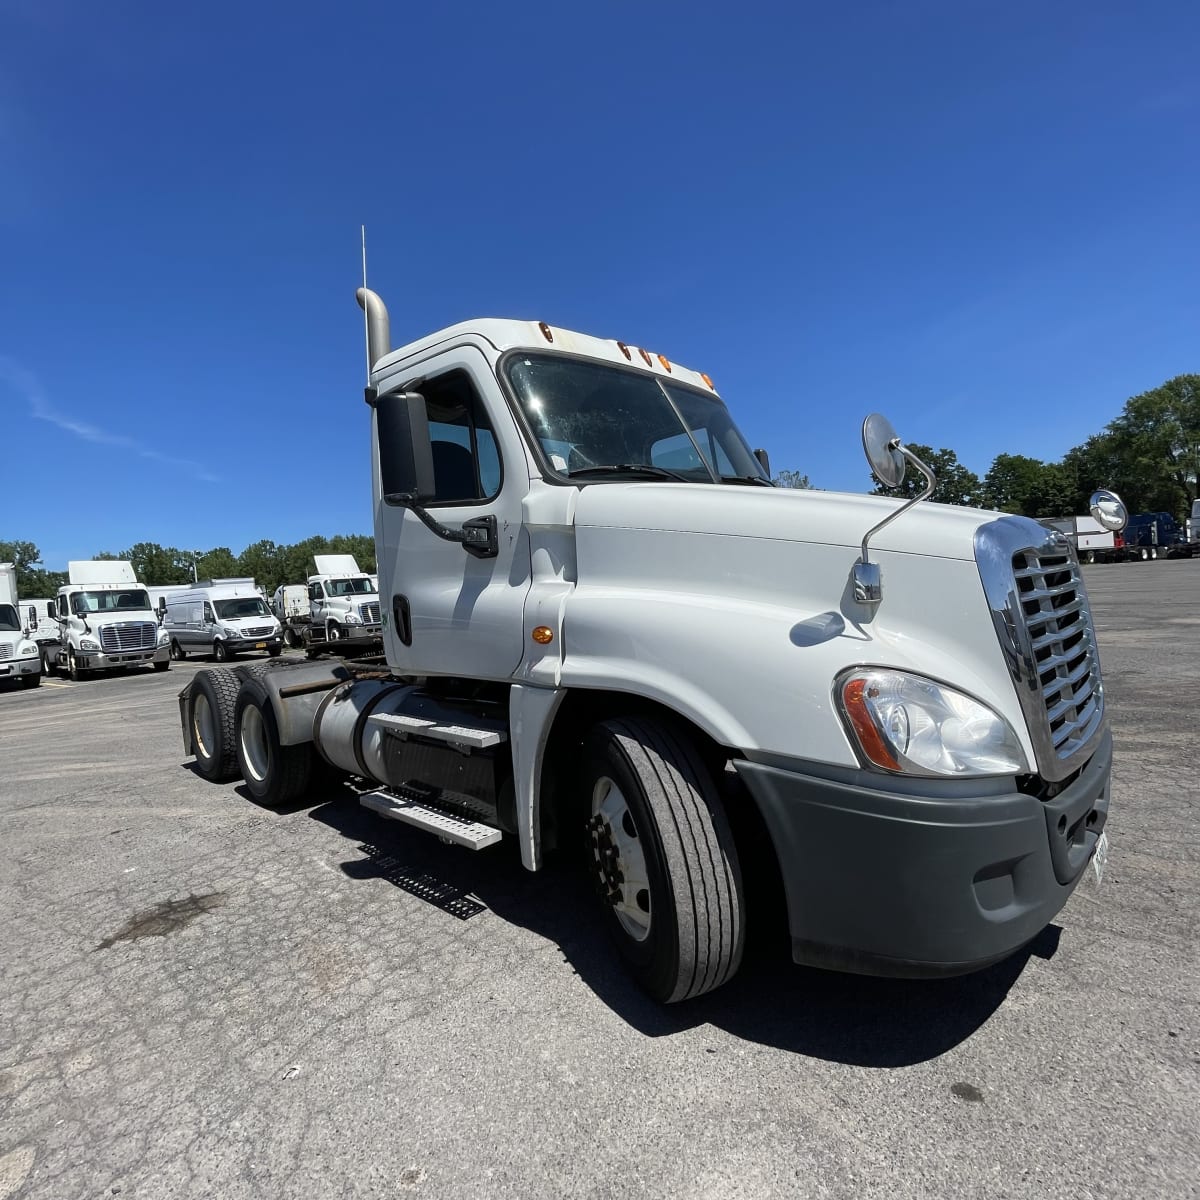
{"x":479,"y":537}
{"x":402,"y":619}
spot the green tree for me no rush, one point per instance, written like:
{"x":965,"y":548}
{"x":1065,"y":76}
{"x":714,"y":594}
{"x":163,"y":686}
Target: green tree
{"x":218,"y":563}
{"x":1028,"y":487}
{"x":792,"y":479}
{"x":261,"y":561}
{"x":955,"y":483}
{"x":154,"y":564}
{"x":34,"y":582}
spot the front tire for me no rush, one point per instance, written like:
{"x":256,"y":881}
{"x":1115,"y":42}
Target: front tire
{"x":31,"y":681}
{"x":663,"y":855}
{"x":275,"y":774}
{"x":334,"y":633}
{"x":178,"y":653}
{"x":221,"y":651}
{"x":73,"y":671}
{"x":274,"y":651}
{"x":165,"y":665}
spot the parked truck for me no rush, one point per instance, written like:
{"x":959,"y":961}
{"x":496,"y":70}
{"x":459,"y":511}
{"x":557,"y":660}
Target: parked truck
{"x":337,"y":609}
{"x":105,"y":622}
{"x":605,"y":627}
{"x":224,"y":619}
{"x":20,"y":657}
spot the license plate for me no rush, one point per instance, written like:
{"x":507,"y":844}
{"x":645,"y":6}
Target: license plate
{"x":260,"y":645}
{"x":1100,"y":858}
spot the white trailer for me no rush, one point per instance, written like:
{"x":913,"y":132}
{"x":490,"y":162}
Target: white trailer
{"x":604,"y":624}
{"x":20,"y":655}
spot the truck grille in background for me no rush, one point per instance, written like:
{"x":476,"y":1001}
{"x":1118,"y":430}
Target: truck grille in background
{"x":1042,"y":618}
{"x":1064,"y":655}
{"x":6,"y":650}
{"x":259,"y":631}
{"x":128,"y":635}
{"x":369,"y":613}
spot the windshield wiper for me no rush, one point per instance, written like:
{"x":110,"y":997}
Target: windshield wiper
{"x":757,"y":480}
{"x":631,"y":469}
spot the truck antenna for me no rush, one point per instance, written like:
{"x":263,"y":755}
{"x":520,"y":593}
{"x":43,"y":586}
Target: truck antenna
{"x":366,"y":321}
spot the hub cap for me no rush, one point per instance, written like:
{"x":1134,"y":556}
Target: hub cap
{"x":203,"y":728}
{"x":619,"y":859}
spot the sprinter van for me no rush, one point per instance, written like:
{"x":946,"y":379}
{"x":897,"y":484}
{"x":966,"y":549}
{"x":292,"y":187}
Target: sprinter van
{"x":223,"y":620}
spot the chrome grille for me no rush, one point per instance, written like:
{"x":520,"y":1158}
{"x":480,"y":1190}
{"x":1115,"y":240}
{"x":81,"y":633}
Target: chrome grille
{"x":128,"y":635}
{"x":369,"y":613}
{"x":6,"y":650}
{"x":259,"y":631}
{"x":1040,"y":610}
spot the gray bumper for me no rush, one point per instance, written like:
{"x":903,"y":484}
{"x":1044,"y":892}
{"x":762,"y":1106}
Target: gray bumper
{"x":12,"y":668}
{"x":884,"y":883}
{"x":98,"y":660}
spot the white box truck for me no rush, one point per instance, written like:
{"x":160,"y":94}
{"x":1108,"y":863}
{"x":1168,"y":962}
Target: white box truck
{"x":604,"y":625}
{"x":20,"y":655}
{"x":105,"y":621}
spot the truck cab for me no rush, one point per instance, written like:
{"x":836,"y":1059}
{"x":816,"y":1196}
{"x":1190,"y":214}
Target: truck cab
{"x":106,"y":621}
{"x":343,"y":601}
{"x":20,"y":656}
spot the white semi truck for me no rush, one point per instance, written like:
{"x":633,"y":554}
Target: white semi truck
{"x":20,"y":656}
{"x":605,"y":627}
{"x":105,"y":622}
{"x":338,"y":609}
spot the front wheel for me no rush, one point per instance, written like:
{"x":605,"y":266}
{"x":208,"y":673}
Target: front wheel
{"x":334,"y":633}
{"x":274,"y":651}
{"x":178,"y":653}
{"x":162,"y":666}
{"x":73,"y":671}
{"x":31,"y":681}
{"x":221,"y":651}
{"x":663,"y":856}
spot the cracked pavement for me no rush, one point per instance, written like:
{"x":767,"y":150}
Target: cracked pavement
{"x":200,"y":997}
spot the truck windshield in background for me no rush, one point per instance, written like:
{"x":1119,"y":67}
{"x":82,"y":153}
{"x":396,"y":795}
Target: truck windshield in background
{"x":131,"y":600}
{"x":592,"y":420}
{"x":350,"y":587}
{"x":9,"y":621}
{"x":247,"y":606}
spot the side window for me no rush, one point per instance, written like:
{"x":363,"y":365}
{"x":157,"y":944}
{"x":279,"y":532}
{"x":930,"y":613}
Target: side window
{"x":314,"y":593}
{"x":466,"y":460}
{"x":195,"y":614}
{"x":62,"y":606}
{"x":209,"y":615}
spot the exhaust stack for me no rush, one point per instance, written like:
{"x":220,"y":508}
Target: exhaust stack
{"x":379,"y":332}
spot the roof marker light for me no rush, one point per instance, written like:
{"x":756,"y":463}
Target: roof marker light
{"x":666,"y":365}
{"x":707,"y":380}
{"x":624,"y":349}
{"x":546,"y":331}
{"x":646,"y":355}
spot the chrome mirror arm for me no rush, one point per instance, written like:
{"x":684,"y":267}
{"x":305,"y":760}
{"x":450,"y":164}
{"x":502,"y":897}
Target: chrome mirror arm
{"x":868,"y":579}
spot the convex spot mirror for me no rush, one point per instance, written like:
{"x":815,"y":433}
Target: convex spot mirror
{"x":1108,"y":510}
{"x":881,"y":444}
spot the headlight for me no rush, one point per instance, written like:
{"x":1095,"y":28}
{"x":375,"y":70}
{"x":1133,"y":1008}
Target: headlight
{"x":87,"y":643}
{"x":353,"y":619}
{"x":164,"y":638}
{"x":232,"y":633}
{"x":27,"y":650}
{"x":913,"y":726}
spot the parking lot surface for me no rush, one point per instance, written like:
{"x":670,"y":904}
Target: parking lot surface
{"x":201,"y":997}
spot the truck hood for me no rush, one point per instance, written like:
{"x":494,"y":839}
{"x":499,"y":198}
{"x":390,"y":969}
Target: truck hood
{"x":782,"y":514}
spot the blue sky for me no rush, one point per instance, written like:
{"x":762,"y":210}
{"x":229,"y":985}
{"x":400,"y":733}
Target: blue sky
{"x":979,"y":219}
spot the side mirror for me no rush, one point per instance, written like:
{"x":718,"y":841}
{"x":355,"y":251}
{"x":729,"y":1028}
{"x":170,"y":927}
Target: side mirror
{"x":1108,"y":510}
{"x":33,"y":617}
{"x":882,"y":446}
{"x":764,"y":461}
{"x":405,"y":451}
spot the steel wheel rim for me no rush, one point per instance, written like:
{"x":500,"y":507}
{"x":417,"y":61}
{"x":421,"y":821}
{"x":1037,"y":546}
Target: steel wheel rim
{"x":624,"y":874}
{"x":203,"y":726}
{"x":255,"y":752}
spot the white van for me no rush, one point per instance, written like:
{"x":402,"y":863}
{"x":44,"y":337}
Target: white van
{"x":223,"y":620}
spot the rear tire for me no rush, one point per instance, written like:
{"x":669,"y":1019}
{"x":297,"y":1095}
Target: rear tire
{"x":210,"y":711}
{"x":664,"y":857}
{"x":275,"y":775}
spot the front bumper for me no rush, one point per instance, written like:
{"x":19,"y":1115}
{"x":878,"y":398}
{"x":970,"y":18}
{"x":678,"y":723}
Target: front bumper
{"x":98,"y":660}
{"x":11,"y":668}
{"x":886,"y":883}
{"x":251,"y":645}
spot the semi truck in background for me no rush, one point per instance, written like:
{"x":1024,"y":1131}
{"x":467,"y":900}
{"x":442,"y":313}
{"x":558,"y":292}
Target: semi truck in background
{"x":337,"y":609}
{"x":20,"y":656}
{"x":105,"y":622}
{"x":224,"y":619}
{"x":1146,"y":537}
{"x":605,"y":627}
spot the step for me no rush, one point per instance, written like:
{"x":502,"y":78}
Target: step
{"x":455,"y":735}
{"x":460,"y":830}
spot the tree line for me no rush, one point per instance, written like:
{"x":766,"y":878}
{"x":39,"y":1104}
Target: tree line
{"x":1150,"y":454}
{"x":267,"y":562}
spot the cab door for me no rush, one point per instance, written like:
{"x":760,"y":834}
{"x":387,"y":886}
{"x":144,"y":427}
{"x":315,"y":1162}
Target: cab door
{"x":446,"y":610}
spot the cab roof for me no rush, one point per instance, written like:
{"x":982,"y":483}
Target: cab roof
{"x":536,"y":336}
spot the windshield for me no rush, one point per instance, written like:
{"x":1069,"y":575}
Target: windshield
{"x":129,"y":600}
{"x":9,"y":621}
{"x":246,"y":606}
{"x":350,"y":587}
{"x":593,"y":420}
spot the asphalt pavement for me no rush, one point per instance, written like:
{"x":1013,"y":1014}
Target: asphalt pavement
{"x":200,"y":997}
